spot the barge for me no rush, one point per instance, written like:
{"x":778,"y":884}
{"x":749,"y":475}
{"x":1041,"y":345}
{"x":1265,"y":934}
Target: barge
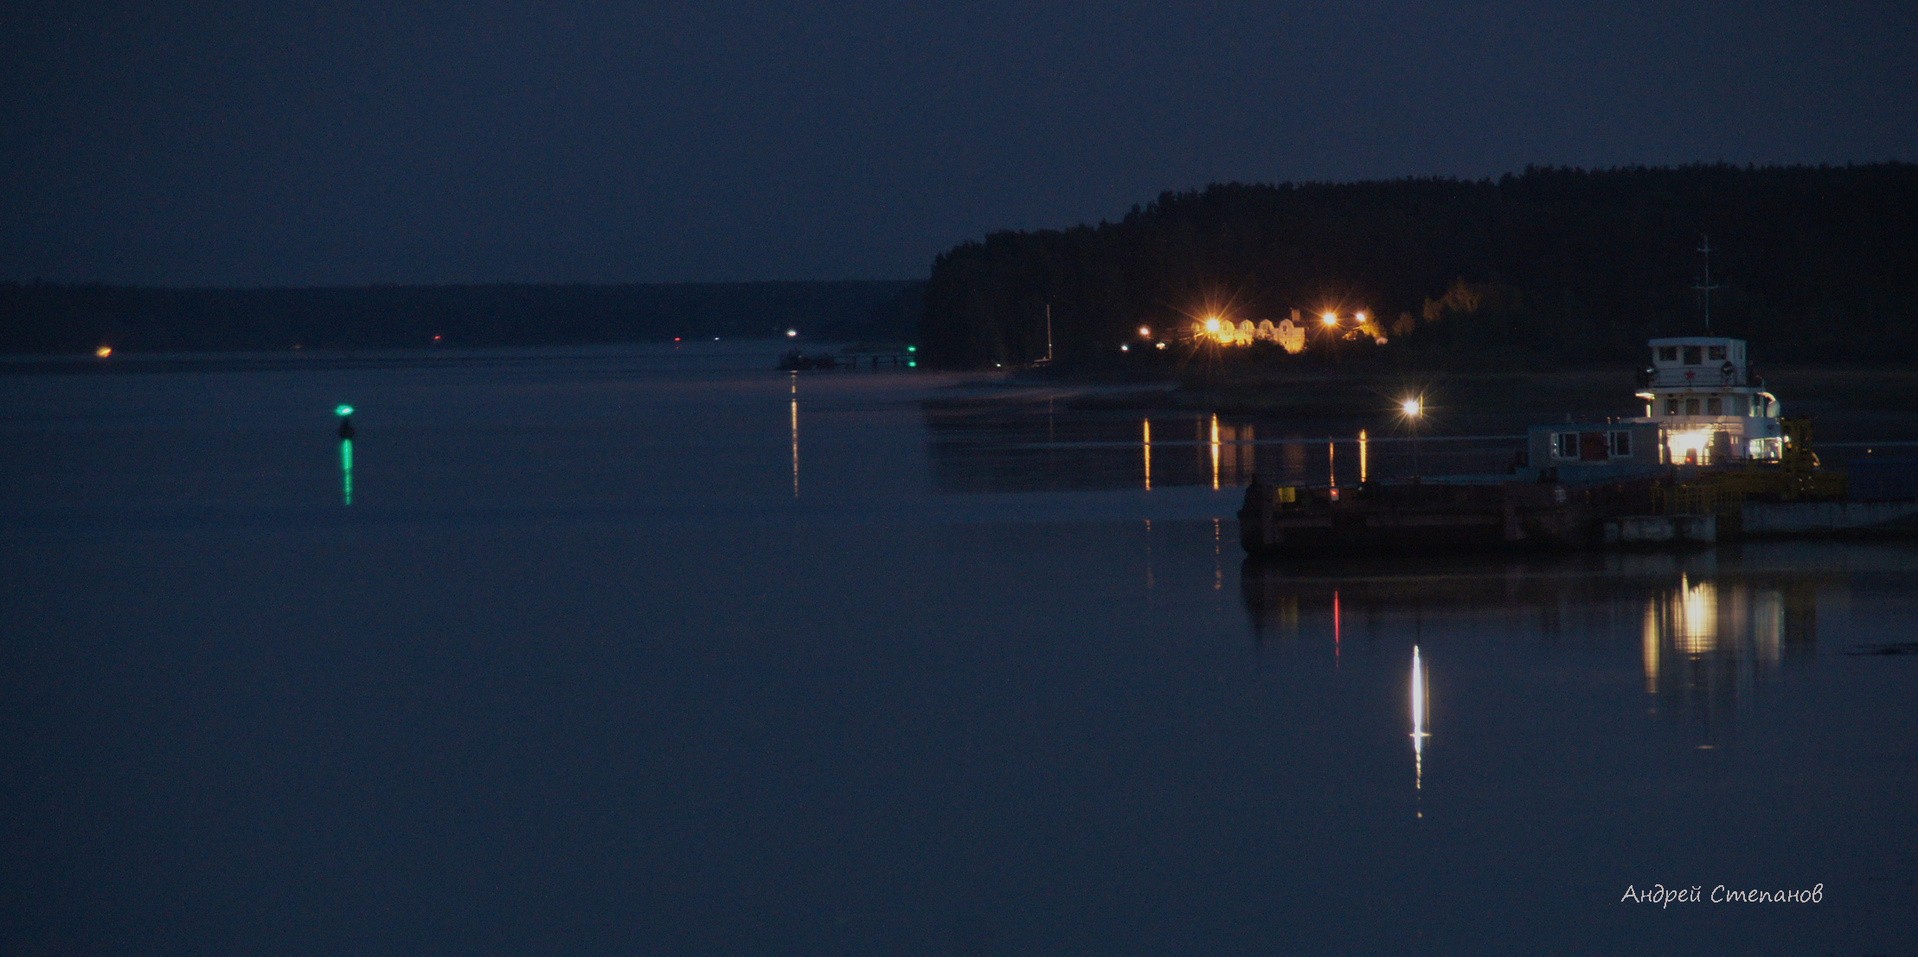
{"x":1711,"y":459}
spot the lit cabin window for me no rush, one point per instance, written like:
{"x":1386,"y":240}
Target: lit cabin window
{"x":1671,"y":406}
{"x":1715,"y":353}
{"x":1621,"y":442}
{"x":1564,"y":445}
{"x":1694,"y":356}
{"x":1691,"y":406}
{"x":1714,"y":406}
{"x":1668,"y":353}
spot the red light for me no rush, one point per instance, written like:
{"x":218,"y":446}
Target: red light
{"x":675,"y":338}
{"x":1335,"y":621}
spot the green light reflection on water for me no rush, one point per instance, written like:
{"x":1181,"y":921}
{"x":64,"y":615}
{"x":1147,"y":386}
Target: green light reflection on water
{"x":346,"y":471}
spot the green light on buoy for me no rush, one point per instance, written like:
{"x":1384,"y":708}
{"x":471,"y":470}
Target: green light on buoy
{"x":912,"y":348}
{"x":912,"y":363}
{"x":342,"y":410}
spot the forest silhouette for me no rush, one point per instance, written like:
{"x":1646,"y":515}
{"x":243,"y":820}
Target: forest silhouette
{"x":1568,"y":265}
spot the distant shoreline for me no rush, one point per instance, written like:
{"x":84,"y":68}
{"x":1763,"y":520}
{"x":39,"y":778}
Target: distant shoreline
{"x":50,"y":319}
{"x":372,"y":357}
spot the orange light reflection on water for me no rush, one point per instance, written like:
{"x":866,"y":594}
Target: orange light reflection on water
{"x":1147,"y":425}
{"x":1215,"y":452}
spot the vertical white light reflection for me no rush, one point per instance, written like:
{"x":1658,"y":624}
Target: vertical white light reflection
{"x":1697,"y":631}
{"x":1332,"y":463}
{"x":1419,"y":713}
{"x":1363,"y":464}
{"x":795,"y":431}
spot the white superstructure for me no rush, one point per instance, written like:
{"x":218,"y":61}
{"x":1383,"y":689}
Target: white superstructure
{"x":1709,"y":409}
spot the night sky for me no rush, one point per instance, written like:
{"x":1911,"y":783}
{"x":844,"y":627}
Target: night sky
{"x":271,"y":142}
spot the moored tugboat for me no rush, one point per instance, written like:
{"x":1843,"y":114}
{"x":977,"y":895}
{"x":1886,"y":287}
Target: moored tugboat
{"x":1711,"y":458}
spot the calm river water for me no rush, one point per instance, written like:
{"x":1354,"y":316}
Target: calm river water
{"x":661,"y":652}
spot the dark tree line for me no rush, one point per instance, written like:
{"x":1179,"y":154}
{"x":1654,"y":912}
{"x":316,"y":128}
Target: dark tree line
{"x":1568,"y":264}
{"x":51,"y":318}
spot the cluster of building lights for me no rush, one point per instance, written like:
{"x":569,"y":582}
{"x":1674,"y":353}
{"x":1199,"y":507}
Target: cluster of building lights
{"x":1290,"y":333}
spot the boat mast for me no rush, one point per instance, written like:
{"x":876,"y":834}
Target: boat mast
{"x":1707,"y":286}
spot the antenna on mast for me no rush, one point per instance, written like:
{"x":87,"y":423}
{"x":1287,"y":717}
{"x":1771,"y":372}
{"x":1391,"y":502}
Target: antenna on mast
{"x":1707,"y":286}
{"x":1048,"y":330}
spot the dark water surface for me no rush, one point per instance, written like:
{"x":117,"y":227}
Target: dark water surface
{"x":663,"y":653}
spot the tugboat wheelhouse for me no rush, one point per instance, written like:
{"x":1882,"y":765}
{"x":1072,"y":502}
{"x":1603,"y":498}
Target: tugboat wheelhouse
{"x":1708,"y":406}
